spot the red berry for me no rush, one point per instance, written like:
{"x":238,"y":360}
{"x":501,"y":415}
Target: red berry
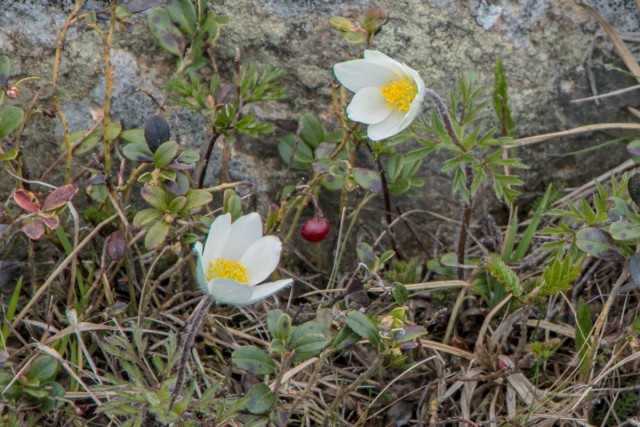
{"x":315,"y":229}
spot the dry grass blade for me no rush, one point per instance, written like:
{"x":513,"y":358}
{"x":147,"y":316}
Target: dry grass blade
{"x":61,"y":267}
{"x":575,"y":131}
{"x":621,"y":48}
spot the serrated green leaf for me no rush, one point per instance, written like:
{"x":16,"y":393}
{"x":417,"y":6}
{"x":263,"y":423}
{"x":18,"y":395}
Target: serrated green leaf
{"x":503,"y":274}
{"x":362,"y":325}
{"x":558,"y":276}
{"x":253,"y":360}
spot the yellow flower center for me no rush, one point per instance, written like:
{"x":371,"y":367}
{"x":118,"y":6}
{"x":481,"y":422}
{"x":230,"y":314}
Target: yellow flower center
{"x":399,"y":93}
{"x":227,"y":269}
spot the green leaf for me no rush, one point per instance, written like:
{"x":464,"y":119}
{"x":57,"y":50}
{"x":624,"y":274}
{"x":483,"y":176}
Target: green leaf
{"x":583,"y":329}
{"x":308,"y":339}
{"x":177,"y":204}
{"x":344,"y":338}
{"x":558,"y":276}
{"x":10,"y":118}
{"x":598,"y":243}
{"x":165,"y":154}
{"x":210,"y":29}
{"x":367,"y":179}
{"x":365,"y":254}
{"x":196,"y":198}
{"x":43,"y":368}
{"x":311,"y":130}
{"x":253,"y":360}
{"x":145,"y":216}
{"x":503,"y":274}
{"x":10,"y":154}
{"x":189,"y":156}
{"x":166,"y":34}
{"x":157,"y":235}
{"x":400,"y":294}
{"x":279,"y":324}
{"x":183,"y":14}
{"x":137,"y":151}
{"x":527,"y":236}
{"x":625,"y":229}
{"x":362,"y":325}
{"x":341,"y":23}
{"x":261,"y":399}
{"x":133,"y":135}
{"x":155,"y":196}
{"x":356,"y":37}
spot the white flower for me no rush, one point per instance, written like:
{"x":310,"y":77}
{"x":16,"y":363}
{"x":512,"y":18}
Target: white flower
{"x":388,"y":94}
{"x":236,"y":257}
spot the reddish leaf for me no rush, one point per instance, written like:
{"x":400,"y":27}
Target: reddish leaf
{"x":59,"y":197}
{"x":51,"y":221}
{"x":34,"y":229}
{"x":26,"y":200}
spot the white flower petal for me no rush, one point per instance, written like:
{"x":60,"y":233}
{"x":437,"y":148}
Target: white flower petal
{"x":387,"y":128}
{"x":368,"y":106}
{"x":261,"y":258}
{"x":383,"y":60}
{"x":360,"y":73}
{"x":200,"y":276}
{"x":227,"y":291}
{"x":217,"y":238}
{"x":244,"y":231}
{"x":266,"y":289}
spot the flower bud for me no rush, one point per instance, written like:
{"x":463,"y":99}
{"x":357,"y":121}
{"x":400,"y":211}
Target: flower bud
{"x":12,"y":92}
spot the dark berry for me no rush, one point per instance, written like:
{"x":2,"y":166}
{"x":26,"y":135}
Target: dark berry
{"x":156,"y":131}
{"x":315,"y":229}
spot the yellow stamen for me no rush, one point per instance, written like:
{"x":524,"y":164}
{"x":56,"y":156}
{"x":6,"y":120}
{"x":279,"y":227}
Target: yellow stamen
{"x":399,"y":93}
{"x":227,"y":269}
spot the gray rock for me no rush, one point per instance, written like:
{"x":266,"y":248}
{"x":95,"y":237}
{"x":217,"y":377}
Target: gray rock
{"x":543,"y":44}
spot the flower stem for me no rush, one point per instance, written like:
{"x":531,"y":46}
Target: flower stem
{"x":191,"y":328}
{"x":444,"y":115}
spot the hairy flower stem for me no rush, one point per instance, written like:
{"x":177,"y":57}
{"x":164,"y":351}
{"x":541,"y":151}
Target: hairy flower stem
{"x":444,"y":116}
{"x":191,"y":328}
{"x":466,"y":213}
